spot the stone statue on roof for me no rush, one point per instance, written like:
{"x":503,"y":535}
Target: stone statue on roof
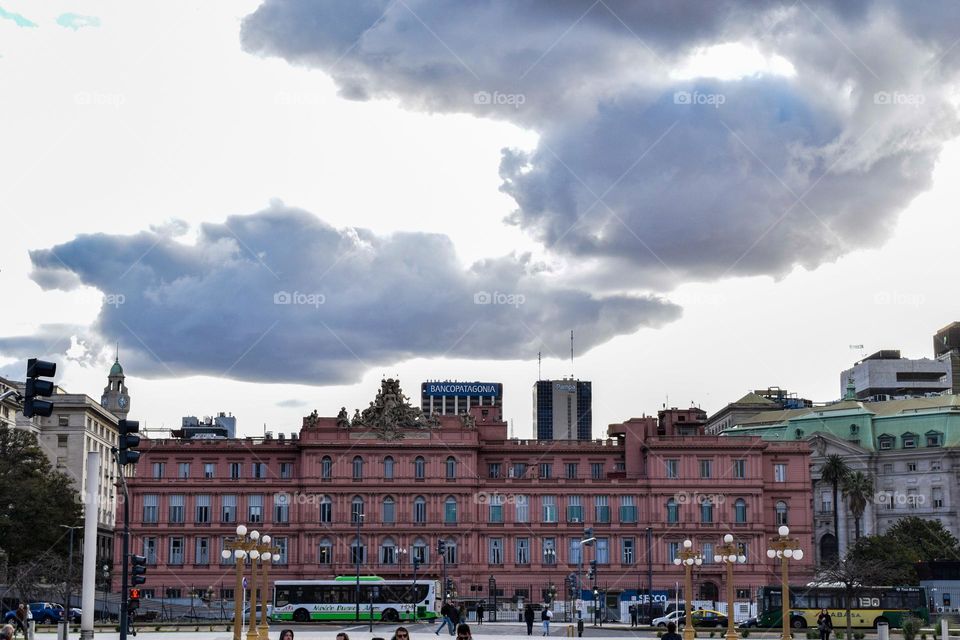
{"x":391,"y":413}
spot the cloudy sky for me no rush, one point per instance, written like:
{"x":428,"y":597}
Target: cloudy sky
{"x":270,"y":205}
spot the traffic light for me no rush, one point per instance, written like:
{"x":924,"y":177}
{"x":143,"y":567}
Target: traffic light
{"x":129,"y":441}
{"x":37,"y":369}
{"x":441,"y":547}
{"x":593,"y":570}
{"x":449,"y":585}
{"x":133,"y":602}
{"x":138,"y":571}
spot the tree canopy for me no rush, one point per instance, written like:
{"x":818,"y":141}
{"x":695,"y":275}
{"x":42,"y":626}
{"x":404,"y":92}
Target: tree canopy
{"x":908,"y":541}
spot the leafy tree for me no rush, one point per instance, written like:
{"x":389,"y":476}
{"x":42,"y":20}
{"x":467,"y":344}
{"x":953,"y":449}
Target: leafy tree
{"x":858,"y":489}
{"x":35,"y":500}
{"x":908,"y":541}
{"x":833,"y":471}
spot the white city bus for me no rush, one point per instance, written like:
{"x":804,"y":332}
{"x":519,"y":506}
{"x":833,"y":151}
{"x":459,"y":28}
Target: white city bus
{"x":392,"y":600}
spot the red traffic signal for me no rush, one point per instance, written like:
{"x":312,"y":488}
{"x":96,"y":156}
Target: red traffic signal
{"x":134,"y":594}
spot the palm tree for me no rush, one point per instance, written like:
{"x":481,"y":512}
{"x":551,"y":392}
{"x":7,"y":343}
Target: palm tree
{"x":833,"y":471}
{"x":858,"y":488}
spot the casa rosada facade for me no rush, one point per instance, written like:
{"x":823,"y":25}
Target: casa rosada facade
{"x":511,"y":510}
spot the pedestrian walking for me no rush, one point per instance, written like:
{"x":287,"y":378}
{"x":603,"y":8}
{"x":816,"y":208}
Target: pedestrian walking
{"x":824,"y":624}
{"x":545,"y":616}
{"x":528,"y":618}
{"x":480,"y":613}
{"x":21,"y":617}
{"x":447,"y":612}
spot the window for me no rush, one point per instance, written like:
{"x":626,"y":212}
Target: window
{"x":782,"y":512}
{"x":259,"y":470}
{"x":388,"y":510}
{"x":673,"y":468}
{"x":150,"y":502}
{"x":388,"y":552}
{"x":420,"y":510}
{"x":62,"y":440}
{"x":706,"y":468}
{"x":572,"y":470}
{"x":740,"y":511}
{"x":255,"y":508}
{"x":326,"y":468}
{"x":522,"y":509}
{"x":888,"y":468}
{"x":826,"y":502}
{"x":596,"y":470}
{"x":175,"y":511}
{"x":523,"y":550}
{"x":281,"y":508}
{"x":885,"y":442}
{"x":519,"y":469}
{"x":740,"y":469}
{"x":780,"y":472}
{"x":357,"y":468}
{"x":934,"y":465}
{"x":912,"y":498}
{"x":326,"y":510}
{"x":419,"y":468}
{"x":627,"y":551}
{"x":451,"y":468}
{"x":202,"y":551}
{"x":934,"y":439}
{"x":574,"y":510}
{"x":706,"y":511}
{"x":546,"y":470}
{"x":909,"y":440}
{"x":176,"y":550}
{"x":158,"y":470}
{"x":495,"y":550}
{"x":742,"y":550}
{"x":228,"y":509}
{"x":493,"y":470}
{"x":601,"y":509}
{"x":150,"y":550}
{"x":937,"y":495}
{"x":209,"y":470}
{"x":673,"y":511}
{"x":673,"y":551}
{"x":707,"y":552}
{"x":388,"y":468}
{"x":450,"y":547}
{"x":356,"y":509}
{"x":911,"y":466}
{"x":282,"y":545}
{"x":286,"y":470}
{"x":548,"y":506}
{"x":202,"y":509}
{"x":450,"y":510}
{"x":420,"y":552}
{"x":495,"y":509}
{"x":325,"y":552}
{"x":549,"y":551}
{"x":628,"y":509}
{"x":574,"y":550}
{"x":235,"y":471}
{"x":603,"y":550}
{"x":358,"y":552}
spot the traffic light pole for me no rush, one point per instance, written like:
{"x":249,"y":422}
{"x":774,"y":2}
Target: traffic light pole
{"x":124,"y":577}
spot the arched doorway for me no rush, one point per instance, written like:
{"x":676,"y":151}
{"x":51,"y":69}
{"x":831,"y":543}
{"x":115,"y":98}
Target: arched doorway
{"x":709,"y":591}
{"x":828,"y":548}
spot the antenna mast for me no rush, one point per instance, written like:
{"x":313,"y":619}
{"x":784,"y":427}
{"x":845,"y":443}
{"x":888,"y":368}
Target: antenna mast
{"x":539,"y":371}
{"x":571,"y":353}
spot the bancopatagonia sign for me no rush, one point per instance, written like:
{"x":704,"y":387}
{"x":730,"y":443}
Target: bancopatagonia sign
{"x":486,"y":389}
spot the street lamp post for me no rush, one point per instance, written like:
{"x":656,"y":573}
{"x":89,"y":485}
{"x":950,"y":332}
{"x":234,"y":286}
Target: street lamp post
{"x":729,"y":554}
{"x":586,"y":541}
{"x":784,"y":547}
{"x":238,"y":550}
{"x":254,"y":555}
{"x":268,"y":555}
{"x":359,"y":517}
{"x":688,"y":557}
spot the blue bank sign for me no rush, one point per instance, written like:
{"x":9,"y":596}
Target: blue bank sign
{"x":487,"y":389}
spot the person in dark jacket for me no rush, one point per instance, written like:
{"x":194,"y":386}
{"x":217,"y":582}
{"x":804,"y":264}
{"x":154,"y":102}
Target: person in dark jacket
{"x":480,"y":613}
{"x":528,"y":618}
{"x":447,"y":612}
{"x":824,"y":624}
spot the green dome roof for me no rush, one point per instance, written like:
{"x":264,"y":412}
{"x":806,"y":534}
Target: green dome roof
{"x":116,"y":369}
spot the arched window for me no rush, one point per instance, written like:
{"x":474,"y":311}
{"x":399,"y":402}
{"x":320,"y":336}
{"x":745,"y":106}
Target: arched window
{"x":419,"y":468}
{"x":357,"y":553}
{"x":357,"y":468}
{"x":451,"y":550}
{"x":782,"y":511}
{"x":326,"y":468}
{"x":706,"y":511}
{"x":451,"y":468}
{"x":420,"y":510}
{"x":450,"y":510}
{"x":325,"y":552}
{"x":740,"y":511}
{"x":420,"y":551}
{"x":388,"y":551}
{"x":388,"y":468}
{"x":389,"y":511}
{"x":673,"y":511}
{"x":356,"y":509}
{"x":326,"y":510}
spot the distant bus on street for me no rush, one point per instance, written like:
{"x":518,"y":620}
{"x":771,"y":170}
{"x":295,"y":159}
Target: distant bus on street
{"x":870,"y":605}
{"x":392,"y":600}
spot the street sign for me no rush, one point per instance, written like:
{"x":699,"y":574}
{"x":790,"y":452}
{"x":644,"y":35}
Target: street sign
{"x":244,"y":582}
{"x":579,"y":604}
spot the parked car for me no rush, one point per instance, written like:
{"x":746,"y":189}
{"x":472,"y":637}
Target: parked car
{"x":706,"y":618}
{"x":246,"y":613}
{"x":75,"y":613}
{"x":42,"y":612}
{"x":673,"y":617}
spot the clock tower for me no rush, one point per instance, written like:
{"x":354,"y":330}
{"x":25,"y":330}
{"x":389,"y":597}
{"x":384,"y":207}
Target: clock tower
{"x":115,"y":398}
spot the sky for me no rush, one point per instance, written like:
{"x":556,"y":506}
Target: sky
{"x":271,"y":205}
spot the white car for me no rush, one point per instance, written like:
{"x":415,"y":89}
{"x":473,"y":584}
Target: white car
{"x":246,"y":613}
{"x":673,"y":616}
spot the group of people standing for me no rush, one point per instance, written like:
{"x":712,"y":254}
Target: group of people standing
{"x":545,"y":616}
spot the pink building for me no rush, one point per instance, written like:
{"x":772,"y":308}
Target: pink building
{"x":514,"y":510}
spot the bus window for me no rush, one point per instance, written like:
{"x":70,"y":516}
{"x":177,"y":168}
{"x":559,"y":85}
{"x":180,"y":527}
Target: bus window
{"x":282,"y":596}
{"x":803,"y":601}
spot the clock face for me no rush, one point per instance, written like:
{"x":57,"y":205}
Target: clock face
{"x":122,"y":401}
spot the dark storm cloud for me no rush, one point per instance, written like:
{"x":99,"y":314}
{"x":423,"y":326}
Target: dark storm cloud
{"x":651,"y":177}
{"x":281,"y":296}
